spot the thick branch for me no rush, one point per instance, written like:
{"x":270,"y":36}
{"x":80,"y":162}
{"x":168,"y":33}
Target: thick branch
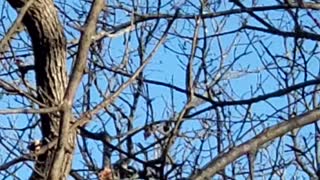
{"x":76,"y":76}
{"x":222,"y":160}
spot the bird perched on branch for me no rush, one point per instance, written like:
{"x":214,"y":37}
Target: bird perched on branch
{"x":23,"y":69}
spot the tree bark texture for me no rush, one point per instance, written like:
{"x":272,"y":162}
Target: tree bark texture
{"x":49,"y":47}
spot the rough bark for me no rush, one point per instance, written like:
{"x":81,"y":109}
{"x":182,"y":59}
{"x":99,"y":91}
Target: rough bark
{"x":65,"y":145}
{"x":49,"y":46}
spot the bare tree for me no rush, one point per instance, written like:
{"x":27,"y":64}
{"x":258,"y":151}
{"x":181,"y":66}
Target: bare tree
{"x":159,"y":89}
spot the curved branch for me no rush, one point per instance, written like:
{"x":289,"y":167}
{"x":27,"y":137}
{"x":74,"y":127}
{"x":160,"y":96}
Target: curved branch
{"x":15,"y":27}
{"x":222,"y":160}
{"x":15,"y":161}
{"x":278,"y":93}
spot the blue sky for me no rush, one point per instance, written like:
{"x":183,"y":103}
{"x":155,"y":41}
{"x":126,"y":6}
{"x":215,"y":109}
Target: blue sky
{"x":168,"y":67}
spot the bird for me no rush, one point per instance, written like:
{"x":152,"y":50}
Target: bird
{"x":23,"y":69}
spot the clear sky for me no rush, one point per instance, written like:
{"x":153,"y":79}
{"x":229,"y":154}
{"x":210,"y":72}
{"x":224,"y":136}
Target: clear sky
{"x":245,"y":79}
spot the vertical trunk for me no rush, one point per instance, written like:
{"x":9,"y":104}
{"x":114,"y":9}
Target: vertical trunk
{"x":49,"y":46}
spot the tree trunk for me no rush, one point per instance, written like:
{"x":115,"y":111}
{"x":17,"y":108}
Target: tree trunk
{"x":49,"y":46}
